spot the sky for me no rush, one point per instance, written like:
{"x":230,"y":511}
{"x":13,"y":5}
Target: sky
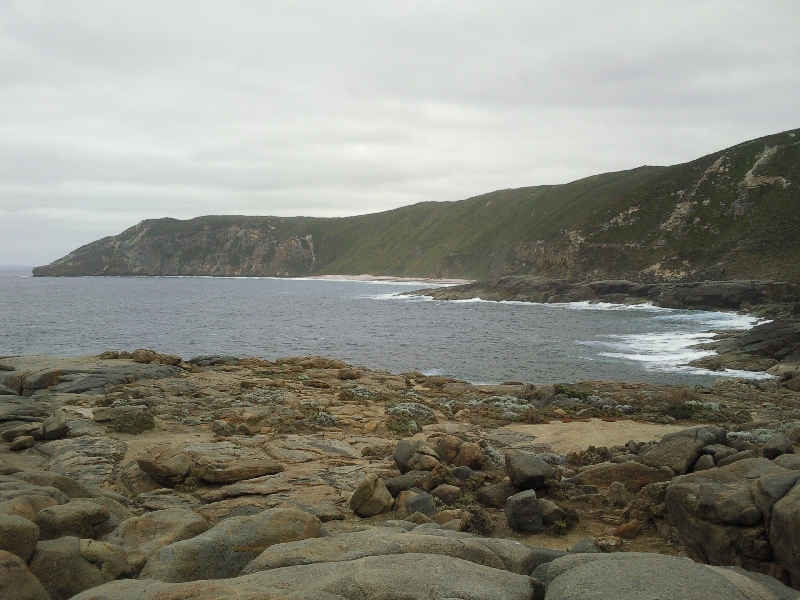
{"x":115,"y":112}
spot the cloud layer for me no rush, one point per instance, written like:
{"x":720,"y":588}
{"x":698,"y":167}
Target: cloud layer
{"x":111,"y":113}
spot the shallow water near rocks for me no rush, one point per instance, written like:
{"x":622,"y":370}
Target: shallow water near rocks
{"x":365,"y":323}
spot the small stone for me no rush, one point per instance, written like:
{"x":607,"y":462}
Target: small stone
{"x":551,"y":512}
{"x":418,"y":518}
{"x":349,"y":374}
{"x":55,"y":426}
{"x":22,"y":442}
{"x":421,"y":502}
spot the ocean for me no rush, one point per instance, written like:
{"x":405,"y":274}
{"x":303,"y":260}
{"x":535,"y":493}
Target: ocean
{"x":364,"y":323}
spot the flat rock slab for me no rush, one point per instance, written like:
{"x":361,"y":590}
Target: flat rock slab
{"x":633,"y":475}
{"x":403,"y":577}
{"x":225,"y":462}
{"x":88,"y":460}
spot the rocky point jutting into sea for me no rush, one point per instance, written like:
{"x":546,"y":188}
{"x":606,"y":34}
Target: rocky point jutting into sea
{"x":143,"y":476}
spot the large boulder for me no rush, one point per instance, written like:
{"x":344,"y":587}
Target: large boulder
{"x":523,"y":513}
{"x":375,"y":541}
{"x":527,"y":471}
{"x":394,"y":577}
{"x":777,"y":445}
{"x":633,"y":475}
{"x":16,"y":581}
{"x":784,"y":533}
{"x":225,"y":462}
{"x":67,"y":566}
{"x":641,"y":576}
{"x":18,"y":536}
{"x":496,"y":495}
{"x":79,"y":519}
{"x":226,"y":548}
{"x":55,"y":426}
{"x":371,"y":497}
{"x":415,"y":456}
{"x":678,"y":453}
{"x":165,"y":463}
{"x":140,"y":537}
{"x":723,"y":514}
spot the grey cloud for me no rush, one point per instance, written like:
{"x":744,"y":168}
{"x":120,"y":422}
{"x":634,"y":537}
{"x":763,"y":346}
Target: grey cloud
{"x":115,"y":112}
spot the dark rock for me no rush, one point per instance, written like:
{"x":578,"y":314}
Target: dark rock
{"x":522,"y":512}
{"x":422,"y":503}
{"x":55,"y":426}
{"x":462,"y":473}
{"x":213,"y":361}
{"x":777,"y":445}
{"x":783,"y":533}
{"x":414,"y":456}
{"x":542,"y":556}
{"x":719,"y":451}
{"x":584,"y":546}
{"x":789,"y":461}
{"x":528,"y":472}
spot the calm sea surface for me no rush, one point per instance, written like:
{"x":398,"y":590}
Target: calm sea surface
{"x":363,"y":323}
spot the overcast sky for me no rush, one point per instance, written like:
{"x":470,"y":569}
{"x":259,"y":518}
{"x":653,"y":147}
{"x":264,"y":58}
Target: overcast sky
{"x":114,"y":112}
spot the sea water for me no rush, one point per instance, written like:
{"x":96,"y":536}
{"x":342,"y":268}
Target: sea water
{"x":365,"y":323}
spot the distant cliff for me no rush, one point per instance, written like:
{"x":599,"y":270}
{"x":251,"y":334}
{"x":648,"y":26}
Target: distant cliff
{"x":734,"y":214}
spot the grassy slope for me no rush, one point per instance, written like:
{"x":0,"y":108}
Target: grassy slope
{"x":480,"y":237}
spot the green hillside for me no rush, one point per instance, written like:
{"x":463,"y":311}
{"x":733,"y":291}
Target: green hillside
{"x":731,"y":214}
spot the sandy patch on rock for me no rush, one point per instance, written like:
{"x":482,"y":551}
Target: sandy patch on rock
{"x":579,"y":435}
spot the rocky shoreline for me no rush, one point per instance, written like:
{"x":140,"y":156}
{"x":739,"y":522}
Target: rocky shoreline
{"x":143,"y":476}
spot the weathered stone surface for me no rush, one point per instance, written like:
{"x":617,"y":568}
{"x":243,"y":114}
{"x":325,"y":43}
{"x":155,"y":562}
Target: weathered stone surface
{"x":135,"y":481}
{"x":67,"y":566}
{"x":77,"y":519}
{"x":719,"y":451}
{"x":527,"y":472}
{"x":394,"y":577}
{"x":226,"y":548}
{"x":16,"y":581}
{"x":678,"y":453}
{"x":789,"y":461}
{"x":30,"y":429}
{"x":140,"y":537}
{"x":411,"y":479}
{"x":522,"y":512}
{"x":22,"y":442}
{"x":708,"y":434}
{"x":375,"y":541}
{"x":619,"y":576}
{"x":55,"y":426}
{"x":777,"y":445}
{"x":165,"y":498}
{"x":717,"y":516}
{"x":225,"y":462}
{"x":452,"y":450}
{"x":784,"y":533}
{"x":91,"y":461}
{"x":18,"y":536}
{"x":165,"y":463}
{"x":371,"y":497}
{"x":633,"y":475}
